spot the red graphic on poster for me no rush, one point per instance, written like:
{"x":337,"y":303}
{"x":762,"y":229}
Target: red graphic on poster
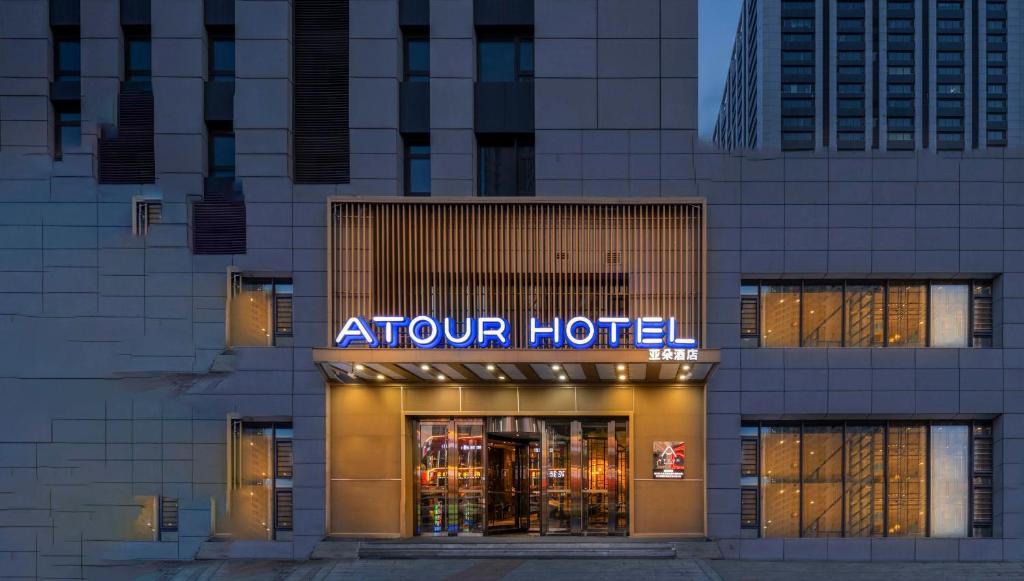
{"x":670,"y":460}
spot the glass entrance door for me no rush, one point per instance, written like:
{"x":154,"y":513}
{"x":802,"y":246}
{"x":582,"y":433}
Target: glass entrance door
{"x":573,"y":480}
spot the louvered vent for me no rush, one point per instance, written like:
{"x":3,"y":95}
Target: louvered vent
{"x":321,"y":130}
{"x":283,"y":509}
{"x":218,"y":226}
{"x":748,"y":457}
{"x":127,"y":156}
{"x":285,"y":459}
{"x":749,"y":331}
{"x":981,"y":315}
{"x":144,"y":214}
{"x":748,"y":507}
{"x":283,"y":315}
{"x":981,"y":476}
{"x":168,"y":514}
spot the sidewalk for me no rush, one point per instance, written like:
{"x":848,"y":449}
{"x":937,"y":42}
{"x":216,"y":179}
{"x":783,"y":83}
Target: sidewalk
{"x":560,"y":570}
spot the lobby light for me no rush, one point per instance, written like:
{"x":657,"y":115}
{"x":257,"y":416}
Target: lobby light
{"x":555,"y":367}
{"x":441,"y":377}
{"x":490,"y":367}
{"x":620,"y":367}
{"x":622,"y":377}
{"x":360,"y":367}
{"x":380,"y":377}
{"x":561,"y":377}
{"x":501,"y":377}
{"x":425,"y":367}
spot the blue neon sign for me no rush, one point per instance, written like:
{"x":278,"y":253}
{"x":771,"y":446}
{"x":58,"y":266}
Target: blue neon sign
{"x":427,"y":332}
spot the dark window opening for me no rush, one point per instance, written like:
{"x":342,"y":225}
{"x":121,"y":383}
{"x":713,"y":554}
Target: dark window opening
{"x":506,"y":166}
{"x":417,"y":167}
{"x":67,"y":57}
{"x":417,"y":58}
{"x":67,"y":128}
{"x":222,"y":56}
{"x":221,"y":151}
{"x":505,"y":59}
{"x":138,"y":61}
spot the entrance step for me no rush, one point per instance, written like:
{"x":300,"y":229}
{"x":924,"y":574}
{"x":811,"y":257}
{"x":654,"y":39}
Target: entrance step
{"x":533,"y":549}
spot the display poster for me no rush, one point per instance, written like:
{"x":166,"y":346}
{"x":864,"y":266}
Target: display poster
{"x":670,"y":460}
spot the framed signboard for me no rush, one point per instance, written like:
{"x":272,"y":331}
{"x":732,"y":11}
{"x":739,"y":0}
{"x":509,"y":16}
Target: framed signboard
{"x":669,"y":460}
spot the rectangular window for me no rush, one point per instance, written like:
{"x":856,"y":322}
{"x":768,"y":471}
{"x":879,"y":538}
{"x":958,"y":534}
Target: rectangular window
{"x":866,"y":314}
{"x":780,"y":316}
{"x":261,"y":479}
{"x":138,"y":66}
{"x":506,"y":166}
{"x":907,"y":305}
{"x":222,"y":58}
{"x":505,"y":59}
{"x":822,"y":316}
{"x":417,"y":167}
{"x":168,"y":516}
{"x":67,"y":59}
{"x":67,"y":128}
{"x":949,"y":303}
{"x":417,"y":59}
{"x":867,"y":479}
{"x":222,"y":152}
{"x":260,"y":312}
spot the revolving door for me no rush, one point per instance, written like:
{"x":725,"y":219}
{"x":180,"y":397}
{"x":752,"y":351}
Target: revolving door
{"x":569,"y":477}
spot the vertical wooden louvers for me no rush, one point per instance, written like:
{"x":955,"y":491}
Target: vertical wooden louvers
{"x":321,"y":132}
{"x":518,"y":260}
{"x":128,"y":157}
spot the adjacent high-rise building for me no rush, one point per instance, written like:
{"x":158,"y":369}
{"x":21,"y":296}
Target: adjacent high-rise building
{"x":874,"y":75}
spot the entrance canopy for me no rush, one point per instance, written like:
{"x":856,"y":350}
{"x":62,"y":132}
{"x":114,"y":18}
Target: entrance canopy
{"x":533,"y":366}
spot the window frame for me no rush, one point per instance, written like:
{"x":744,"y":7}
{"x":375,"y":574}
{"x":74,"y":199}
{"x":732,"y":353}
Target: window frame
{"x":409,"y":74}
{"x":977,"y":289}
{"x":214,"y":131}
{"x":518,"y":142}
{"x":132,"y":75}
{"x":519,"y":74}
{"x":236,"y":279}
{"x":74,"y":107}
{"x":212,"y":72}
{"x":409,"y":156}
{"x":978,"y":430}
{"x":61,"y":36}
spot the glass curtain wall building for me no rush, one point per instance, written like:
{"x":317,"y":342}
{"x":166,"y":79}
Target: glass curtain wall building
{"x":873,"y":75}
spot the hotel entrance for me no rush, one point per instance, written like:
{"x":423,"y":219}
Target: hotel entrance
{"x":547,"y":476}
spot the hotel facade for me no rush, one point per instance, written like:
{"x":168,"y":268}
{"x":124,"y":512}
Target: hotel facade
{"x":279,"y":274}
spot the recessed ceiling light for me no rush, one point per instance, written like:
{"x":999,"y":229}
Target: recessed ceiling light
{"x":490,"y":367}
{"x":501,"y":377}
{"x":686,"y":368}
{"x":360,"y":367}
{"x":380,"y":377}
{"x":441,"y":377}
{"x":621,"y":367}
{"x":425,"y":367}
{"x":622,"y":378}
{"x":561,"y":377}
{"x":555,"y":367}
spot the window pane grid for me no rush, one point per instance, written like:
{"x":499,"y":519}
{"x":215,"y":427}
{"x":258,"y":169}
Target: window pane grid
{"x":864,"y":479}
{"x":832,"y":314}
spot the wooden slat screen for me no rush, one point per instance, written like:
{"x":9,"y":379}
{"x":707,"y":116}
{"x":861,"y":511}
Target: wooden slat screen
{"x":517,"y":260}
{"x":321,"y":132}
{"x":128,"y":157}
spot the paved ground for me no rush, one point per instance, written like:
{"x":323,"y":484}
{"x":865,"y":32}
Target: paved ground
{"x":555,"y":570}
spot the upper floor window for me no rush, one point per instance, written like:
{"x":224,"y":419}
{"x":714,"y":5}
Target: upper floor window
{"x":417,"y":59}
{"x":68,"y":128}
{"x":417,"y":167}
{"x":222,"y":152}
{"x":138,"y":65}
{"x":866,"y":314}
{"x":505,"y":59}
{"x":67,"y":59}
{"x":222,"y":58}
{"x":260,"y":311}
{"x":506,"y":166}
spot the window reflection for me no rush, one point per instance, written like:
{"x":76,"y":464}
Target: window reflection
{"x":780,"y":477}
{"x":907,"y":314}
{"x":780,"y":316}
{"x":949,"y":315}
{"x":823,"y":316}
{"x":948,"y":491}
{"x":906,"y":463}
{"x":822,"y":492}
{"x":865,"y":315}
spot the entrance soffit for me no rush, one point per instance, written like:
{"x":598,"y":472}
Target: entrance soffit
{"x":515,"y":366}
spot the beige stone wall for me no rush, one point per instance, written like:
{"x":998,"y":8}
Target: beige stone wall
{"x":371,"y":489}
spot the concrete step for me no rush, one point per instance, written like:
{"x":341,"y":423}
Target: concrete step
{"x":540,"y":549}
{"x":231,"y":549}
